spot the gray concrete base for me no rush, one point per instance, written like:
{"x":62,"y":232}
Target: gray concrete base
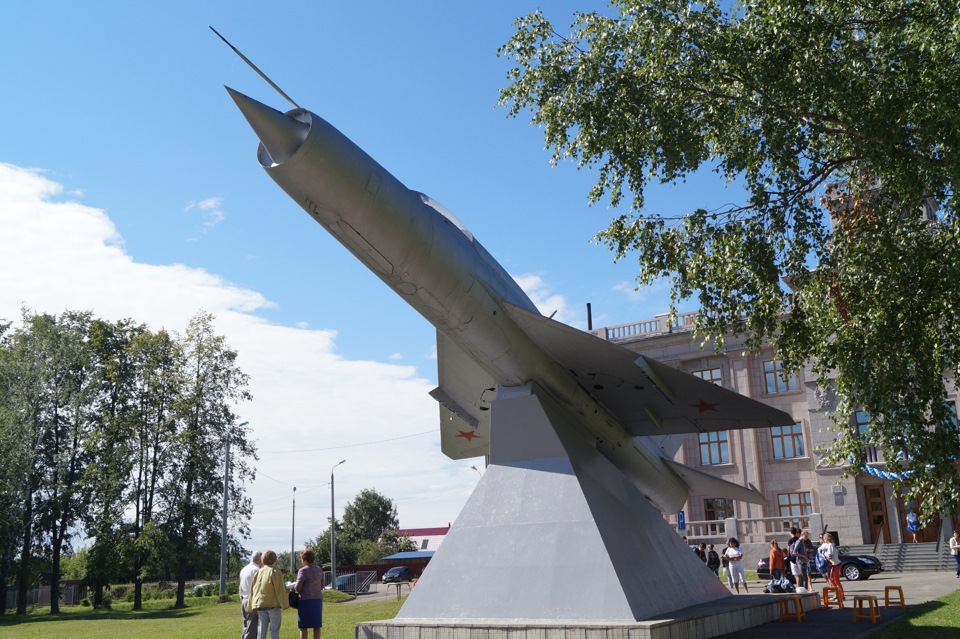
{"x":710,"y":619}
{"x":556,"y":533}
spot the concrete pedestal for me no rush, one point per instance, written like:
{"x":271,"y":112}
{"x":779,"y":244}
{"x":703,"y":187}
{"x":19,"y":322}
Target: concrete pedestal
{"x":554,"y":532}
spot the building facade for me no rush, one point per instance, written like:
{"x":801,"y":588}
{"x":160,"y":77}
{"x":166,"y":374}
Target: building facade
{"x":781,"y":462}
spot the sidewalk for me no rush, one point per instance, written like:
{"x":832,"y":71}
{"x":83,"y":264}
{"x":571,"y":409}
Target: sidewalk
{"x":918,"y":587}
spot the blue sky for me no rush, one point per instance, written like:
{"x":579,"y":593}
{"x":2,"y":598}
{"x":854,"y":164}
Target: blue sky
{"x":129,"y":186}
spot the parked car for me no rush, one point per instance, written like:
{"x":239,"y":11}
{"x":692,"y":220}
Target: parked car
{"x":349,"y":583}
{"x":398,"y":573}
{"x":852,"y":567}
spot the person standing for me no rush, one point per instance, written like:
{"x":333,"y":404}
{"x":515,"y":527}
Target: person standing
{"x":955,"y":549}
{"x":268,"y":596}
{"x":310,"y":586}
{"x":801,"y":557}
{"x":701,"y":551}
{"x":713,"y":560}
{"x":776,"y":560}
{"x":734,"y":556}
{"x":250,"y":617}
{"x":830,"y":552}
{"x":913,"y":524}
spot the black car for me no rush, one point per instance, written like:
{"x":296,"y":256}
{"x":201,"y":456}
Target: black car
{"x":852,"y":567}
{"x":398,"y":573}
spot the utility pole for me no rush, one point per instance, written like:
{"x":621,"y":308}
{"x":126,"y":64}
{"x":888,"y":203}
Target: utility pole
{"x":293,"y":525}
{"x":333,"y":534}
{"x":223,"y":530}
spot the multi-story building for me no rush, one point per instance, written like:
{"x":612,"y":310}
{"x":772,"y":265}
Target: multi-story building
{"x":781,"y":462}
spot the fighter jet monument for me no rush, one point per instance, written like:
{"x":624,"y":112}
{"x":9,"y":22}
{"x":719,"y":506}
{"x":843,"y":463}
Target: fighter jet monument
{"x":580,"y":433}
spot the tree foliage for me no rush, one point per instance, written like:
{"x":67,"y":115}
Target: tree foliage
{"x":369,"y":515}
{"x":847,"y":108}
{"x":119,"y":431}
{"x":367,"y":533}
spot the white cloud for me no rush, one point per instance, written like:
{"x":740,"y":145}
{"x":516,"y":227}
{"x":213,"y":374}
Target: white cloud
{"x":60,"y":254}
{"x":211,"y":214}
{"x":547,"y":301}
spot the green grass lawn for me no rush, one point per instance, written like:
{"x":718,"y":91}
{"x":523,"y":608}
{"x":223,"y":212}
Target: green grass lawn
{"x":937,"y":619}
{"x":204,"y":618}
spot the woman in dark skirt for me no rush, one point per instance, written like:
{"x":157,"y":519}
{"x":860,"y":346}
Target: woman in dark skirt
{"x":310,"y":587}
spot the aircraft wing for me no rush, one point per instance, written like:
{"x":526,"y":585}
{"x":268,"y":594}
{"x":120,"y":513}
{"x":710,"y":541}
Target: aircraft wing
{"x":464,"y":393}
{"x":648,"y":397}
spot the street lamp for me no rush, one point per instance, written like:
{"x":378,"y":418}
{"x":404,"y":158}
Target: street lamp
{"x":293,"y":526}
{"x":333,"y":533}
{"x":223,"y":531}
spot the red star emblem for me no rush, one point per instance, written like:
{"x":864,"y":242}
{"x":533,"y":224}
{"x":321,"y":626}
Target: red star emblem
{"x":467,"y":434}
{"x":704,"y":406}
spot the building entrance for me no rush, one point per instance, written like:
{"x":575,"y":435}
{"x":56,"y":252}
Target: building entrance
{"x":877,"y":520}
{"x":926,"y":533}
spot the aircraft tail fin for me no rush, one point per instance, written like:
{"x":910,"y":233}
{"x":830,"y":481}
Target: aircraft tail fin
{"x":702,"y":482}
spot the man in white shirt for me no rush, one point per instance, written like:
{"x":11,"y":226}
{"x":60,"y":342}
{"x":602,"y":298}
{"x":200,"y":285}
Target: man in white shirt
{"x":250,"y":619}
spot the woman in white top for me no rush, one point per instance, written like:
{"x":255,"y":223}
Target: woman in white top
{"x":832,"y":554}
{"x":955,"y":549}
{"x":734,"y":557}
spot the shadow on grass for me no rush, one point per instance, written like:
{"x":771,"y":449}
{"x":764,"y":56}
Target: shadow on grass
{"x":945,"y":624}
{"x":99,"y":615}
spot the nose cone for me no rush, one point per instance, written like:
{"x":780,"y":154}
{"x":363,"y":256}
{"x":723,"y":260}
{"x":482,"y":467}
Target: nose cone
{"x":280,"y":134}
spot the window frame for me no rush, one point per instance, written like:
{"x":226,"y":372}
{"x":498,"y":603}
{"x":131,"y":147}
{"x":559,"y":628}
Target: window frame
{"x":792,"y":439}
{"x":792,"y":518}
{"x":772,"y":369}
{"x":721,"y":444}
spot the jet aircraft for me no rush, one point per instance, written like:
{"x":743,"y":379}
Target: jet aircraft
{"x":632,"y":409}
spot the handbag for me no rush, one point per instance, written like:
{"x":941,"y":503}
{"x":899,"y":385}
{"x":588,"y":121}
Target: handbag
{"x":294,"y":599}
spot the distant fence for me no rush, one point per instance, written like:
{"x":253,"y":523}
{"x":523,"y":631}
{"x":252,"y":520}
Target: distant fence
{"x":750,"y":530}
{"x":72,"y":594}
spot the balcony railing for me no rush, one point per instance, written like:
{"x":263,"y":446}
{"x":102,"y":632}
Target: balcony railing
{"x":659,"y":325}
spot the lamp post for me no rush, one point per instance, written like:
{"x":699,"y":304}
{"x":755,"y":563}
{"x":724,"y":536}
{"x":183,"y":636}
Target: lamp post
{"x":223,"y":530}
{"x":293,"y":525}
{"x":333,"y":533}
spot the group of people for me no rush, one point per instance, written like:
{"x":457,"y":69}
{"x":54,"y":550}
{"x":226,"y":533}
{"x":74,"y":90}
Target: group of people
{"x":800,"y":555}
{"x":264,"y":596}
{"x":804,"y":559}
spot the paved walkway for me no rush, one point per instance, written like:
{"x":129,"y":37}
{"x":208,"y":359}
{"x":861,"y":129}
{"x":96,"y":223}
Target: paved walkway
{"x":918,"y":587}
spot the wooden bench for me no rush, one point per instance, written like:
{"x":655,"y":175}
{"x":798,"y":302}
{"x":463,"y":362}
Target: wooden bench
{"x":889,"y":601}
{"x":871,"y":612}
{"x":797,"y":608}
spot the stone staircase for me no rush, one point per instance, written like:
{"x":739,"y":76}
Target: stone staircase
{"x":907,"y":557}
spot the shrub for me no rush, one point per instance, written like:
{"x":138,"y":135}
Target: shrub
{"x":208,"y":590}
{"x":119,"y":592}
{"x":130,"y":597}
{"x":233,"y":587}
{"x":85,"y":602}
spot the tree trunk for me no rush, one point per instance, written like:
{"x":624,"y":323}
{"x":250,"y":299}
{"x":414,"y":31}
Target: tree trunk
{"x":4,"y":576}
{"x":23,"y":582}
{"x":55,"y":577}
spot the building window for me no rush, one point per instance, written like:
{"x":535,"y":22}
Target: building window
{"x":861,"y":420}
{"x":712,"y":375}
{"x":714,"y":448}
{"x":773,"y":376}
{"x":717,"y":509}
{"x":423,"y":544}
{"x":793,"y":506}
{"x":787,"y":441}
